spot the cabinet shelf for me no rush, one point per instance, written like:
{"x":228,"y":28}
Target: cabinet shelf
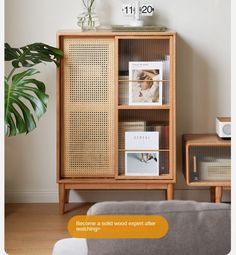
{"x":164,"y":81}
{"x":160,"y":150}
{"x":209,"y":183}
{"x":143,"y":107}
{"x":160,"y":177}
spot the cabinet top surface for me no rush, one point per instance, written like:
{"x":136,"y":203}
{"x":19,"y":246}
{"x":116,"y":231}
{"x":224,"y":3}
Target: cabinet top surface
{"x":111,"y":33}
{"x":205,"y":139}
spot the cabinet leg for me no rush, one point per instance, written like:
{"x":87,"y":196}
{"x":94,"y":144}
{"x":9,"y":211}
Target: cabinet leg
{"x":213,"y":197}
{"x":218,"y":194}
{"x":170,"y":192}
{"x":62,"y":197}
{"x":67,"y":195}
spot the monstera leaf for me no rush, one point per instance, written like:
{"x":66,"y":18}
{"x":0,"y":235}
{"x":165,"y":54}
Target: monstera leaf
{"x":25,"y":97}
{"x":32,"y":54}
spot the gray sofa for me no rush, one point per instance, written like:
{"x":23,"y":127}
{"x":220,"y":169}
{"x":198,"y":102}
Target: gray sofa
{"x":194,"y":228}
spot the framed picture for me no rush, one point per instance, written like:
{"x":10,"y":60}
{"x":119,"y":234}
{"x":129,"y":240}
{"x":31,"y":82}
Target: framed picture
{"x":141,"y":163}
{"x":145,"y":86}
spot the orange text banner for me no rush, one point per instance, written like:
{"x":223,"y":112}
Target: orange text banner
{"x":114,"y":226}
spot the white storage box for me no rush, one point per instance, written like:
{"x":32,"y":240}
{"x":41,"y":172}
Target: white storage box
{"x":219,"y":170}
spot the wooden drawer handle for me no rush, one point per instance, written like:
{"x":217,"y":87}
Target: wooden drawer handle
{"x":194,"y":164}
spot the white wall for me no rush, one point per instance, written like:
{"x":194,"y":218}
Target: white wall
{"x":203,"y":86}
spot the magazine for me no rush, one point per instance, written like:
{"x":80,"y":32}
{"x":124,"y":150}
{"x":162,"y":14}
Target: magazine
{"x":145,"y":86}
{"x":141,"y":153}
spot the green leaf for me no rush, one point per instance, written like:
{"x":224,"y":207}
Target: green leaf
{"x":18,"y":78}
{"x":32,"y":54}
{"x":12,"y":126}
{"x":39,"y":94}
{"x":19,"y":117}
{"x":19,"y":120}
{"x":38,"y":106}
{"x":30,"y":123}
{"x":10,"y":53}
{"x":40,"y":85}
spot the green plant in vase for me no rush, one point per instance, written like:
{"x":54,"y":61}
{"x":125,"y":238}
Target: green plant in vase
{"x":25,"y":96}
{"x":88,"y":20}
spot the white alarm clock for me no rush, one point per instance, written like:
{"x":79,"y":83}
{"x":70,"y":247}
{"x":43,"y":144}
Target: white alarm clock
{"x":137,"y":10}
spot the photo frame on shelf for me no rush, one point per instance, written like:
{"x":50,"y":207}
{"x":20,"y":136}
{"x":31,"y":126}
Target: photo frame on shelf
{"x":145,"y":82}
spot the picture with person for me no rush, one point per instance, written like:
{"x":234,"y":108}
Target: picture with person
{"x":145,"y":87}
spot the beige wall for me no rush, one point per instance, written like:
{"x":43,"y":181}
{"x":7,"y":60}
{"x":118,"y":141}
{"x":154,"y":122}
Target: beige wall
{"x":203,"y":86}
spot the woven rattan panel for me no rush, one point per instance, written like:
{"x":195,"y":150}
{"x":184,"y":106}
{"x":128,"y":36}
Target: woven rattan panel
{"x":88,"y":107}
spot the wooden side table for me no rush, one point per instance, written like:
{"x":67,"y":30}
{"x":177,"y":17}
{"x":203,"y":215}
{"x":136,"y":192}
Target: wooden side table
{"x":207,"y":163}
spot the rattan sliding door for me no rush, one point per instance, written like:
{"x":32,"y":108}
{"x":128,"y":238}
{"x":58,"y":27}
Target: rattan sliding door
{"x":87,"y":142}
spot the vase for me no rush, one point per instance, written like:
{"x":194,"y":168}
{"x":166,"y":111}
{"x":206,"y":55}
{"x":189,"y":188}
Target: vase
{"x":88,"y":20}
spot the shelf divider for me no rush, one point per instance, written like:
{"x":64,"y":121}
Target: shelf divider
{"x":143,"y":107}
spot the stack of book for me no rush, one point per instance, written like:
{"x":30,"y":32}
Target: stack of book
{"x":166,"y":74}
{"x":123,"y":90}
{"x":163,"y":130}
{"x":127,"y":126}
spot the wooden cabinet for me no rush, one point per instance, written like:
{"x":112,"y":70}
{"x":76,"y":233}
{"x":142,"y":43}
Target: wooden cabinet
{"x":93,"y":113}
{"x":207,"y":162}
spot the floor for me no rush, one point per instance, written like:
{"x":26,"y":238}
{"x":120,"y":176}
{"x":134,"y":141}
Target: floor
{"x":33,"y":229}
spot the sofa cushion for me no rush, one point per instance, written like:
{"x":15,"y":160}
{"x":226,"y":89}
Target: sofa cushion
{"x":194,"y":228}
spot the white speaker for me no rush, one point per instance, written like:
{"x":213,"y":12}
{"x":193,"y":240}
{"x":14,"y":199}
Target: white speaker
{"x":223,"y":127}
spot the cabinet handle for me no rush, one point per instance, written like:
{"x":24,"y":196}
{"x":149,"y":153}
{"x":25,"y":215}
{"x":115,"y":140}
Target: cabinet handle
{"x":194,"y":164}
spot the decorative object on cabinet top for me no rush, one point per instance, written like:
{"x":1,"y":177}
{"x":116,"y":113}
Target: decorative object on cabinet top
{"x":125,"y":28}
{"x":88,"y":20}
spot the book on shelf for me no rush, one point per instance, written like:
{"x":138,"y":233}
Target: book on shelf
{"x":163,"y":129}
{"x":145,"y":86}
{"x":142,"y":140}
{"x":166,"y":74}
{"x":143,"y":83}
{"x":141,"y":153}
{"x":123,"y":89}
{"x":123,"y":127}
